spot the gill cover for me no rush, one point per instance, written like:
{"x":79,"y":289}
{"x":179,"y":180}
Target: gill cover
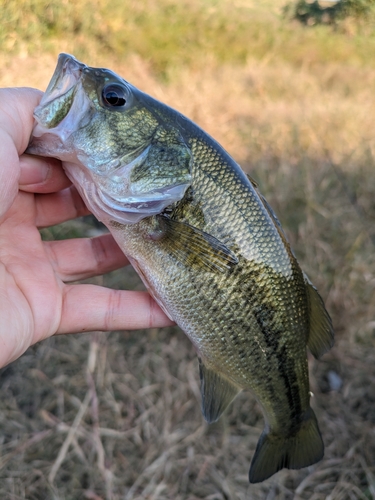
{"x":126,"y":163}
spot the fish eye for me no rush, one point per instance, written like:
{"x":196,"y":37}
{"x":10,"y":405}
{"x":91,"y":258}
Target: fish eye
{"x":114,"y":95}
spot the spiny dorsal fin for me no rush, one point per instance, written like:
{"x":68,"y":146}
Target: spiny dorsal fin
{"x":217,"y":392}
{"x":194,"y":247}
{"x":253,"y":182}
{"x":320,"y":339}
{"x":267,"y":206}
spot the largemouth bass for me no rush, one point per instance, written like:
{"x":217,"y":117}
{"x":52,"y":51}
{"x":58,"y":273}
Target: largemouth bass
{"x":205,"y":242}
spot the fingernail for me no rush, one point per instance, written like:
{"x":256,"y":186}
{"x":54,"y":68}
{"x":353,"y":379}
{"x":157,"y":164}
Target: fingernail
{"x":34,"y":170}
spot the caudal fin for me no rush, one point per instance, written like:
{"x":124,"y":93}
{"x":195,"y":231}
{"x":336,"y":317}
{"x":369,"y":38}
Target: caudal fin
{"x":274,"y":452}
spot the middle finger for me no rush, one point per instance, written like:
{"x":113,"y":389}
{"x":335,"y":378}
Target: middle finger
{"x":81,"y":258}
{"x":58,"y":207}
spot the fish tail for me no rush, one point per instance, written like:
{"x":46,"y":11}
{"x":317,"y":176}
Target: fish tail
{"x":294,"y":451}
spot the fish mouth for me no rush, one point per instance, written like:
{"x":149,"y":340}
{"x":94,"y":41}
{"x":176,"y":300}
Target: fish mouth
{"x":63,"y":105}
{"x":67,"y":73}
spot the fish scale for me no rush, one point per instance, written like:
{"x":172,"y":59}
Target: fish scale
{"x":206,"y":244}
{"x":242,"y":206}
{"x":204,"y":326}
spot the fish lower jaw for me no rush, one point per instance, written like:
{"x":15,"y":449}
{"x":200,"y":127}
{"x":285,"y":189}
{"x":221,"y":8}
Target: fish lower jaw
{"x":117,"y":206}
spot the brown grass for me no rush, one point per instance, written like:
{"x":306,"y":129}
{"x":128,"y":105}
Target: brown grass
{"x":117,"y":416}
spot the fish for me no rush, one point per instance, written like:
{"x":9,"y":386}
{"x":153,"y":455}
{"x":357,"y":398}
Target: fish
{"x":206,"y":244}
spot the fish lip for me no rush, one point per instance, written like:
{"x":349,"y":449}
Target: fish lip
{"x":60,"y":95}
{"x":64,"y":81}
{"x":67,"y":74}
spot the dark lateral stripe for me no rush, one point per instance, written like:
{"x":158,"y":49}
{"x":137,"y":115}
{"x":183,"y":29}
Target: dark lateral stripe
{"x":287,"y":372}
{"x":291,"y":384}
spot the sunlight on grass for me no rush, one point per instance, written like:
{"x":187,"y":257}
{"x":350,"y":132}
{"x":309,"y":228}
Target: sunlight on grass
{"x":169,"y":34}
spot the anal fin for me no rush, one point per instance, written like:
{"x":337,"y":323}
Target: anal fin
{"x":320,"y":339}
{"x":217,"y":392}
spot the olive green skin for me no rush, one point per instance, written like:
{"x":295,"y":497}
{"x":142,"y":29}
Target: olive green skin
{"x":249,"y":323}
{"x":215,"y":259}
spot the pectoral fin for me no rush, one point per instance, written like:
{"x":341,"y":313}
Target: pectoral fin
{"x":194,"y":247}
{"x":217,"y":393}
{"x":320,"y":338}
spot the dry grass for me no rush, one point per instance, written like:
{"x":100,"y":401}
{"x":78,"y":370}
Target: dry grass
{"x":117,"y":416}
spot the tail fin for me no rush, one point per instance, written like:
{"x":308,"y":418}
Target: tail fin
{"x":274,"y":452}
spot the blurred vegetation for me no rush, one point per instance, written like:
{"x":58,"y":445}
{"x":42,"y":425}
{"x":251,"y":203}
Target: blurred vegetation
{"x":295,"y":106}
{"x":312,"y":12}
{"x":168,"y":33}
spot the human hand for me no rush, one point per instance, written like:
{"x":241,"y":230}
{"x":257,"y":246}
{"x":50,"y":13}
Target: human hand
{"x":36,"y":299}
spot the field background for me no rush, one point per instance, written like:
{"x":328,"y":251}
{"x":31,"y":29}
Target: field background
{"x":116,"y":416}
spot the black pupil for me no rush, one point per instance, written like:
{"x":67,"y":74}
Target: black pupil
{"x":114,"y":95}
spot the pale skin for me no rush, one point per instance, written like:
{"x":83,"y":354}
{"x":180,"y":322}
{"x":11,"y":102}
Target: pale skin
{"x":37,"y":298}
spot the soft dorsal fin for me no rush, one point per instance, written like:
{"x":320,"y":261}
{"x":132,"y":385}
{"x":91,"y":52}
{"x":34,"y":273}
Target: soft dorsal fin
{"x":217,"y":392}
{"x":320,"y":339}
{"x":194,"y":247}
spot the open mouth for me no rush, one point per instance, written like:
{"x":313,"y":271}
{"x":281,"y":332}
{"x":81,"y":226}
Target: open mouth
{"x":66,"y":76}
{"x":60,"y":93}
{"x":62,"y":107}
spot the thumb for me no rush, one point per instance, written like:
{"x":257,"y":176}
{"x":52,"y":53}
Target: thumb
{"x":16,"y":114}
{"x":16,"y":123}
